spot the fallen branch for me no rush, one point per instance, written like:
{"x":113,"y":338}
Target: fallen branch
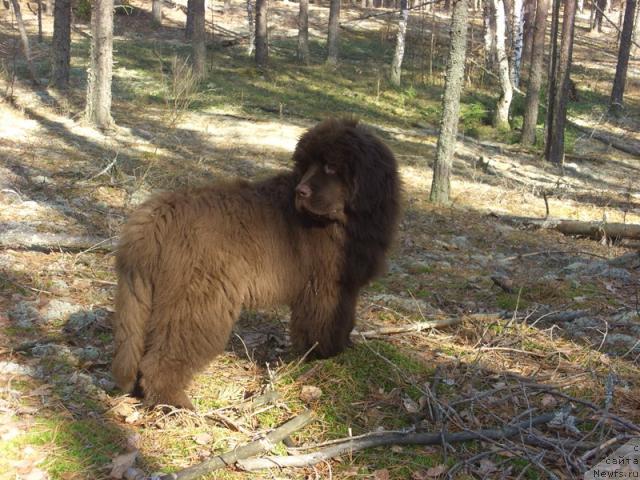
{"x":595,"y":230}
{"x":53,"y":242}
{"x":414,"y":327}
{"x":389,"y":438}
{"x":249,"y":450}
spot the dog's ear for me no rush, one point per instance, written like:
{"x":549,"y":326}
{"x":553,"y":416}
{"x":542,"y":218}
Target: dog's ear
{"x":374,"y":178}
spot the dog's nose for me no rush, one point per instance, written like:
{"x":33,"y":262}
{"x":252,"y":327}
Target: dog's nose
{"x":303,"y":190}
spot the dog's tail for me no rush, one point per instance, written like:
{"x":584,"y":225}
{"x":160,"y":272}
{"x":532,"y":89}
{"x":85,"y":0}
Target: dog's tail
{"x":135,"y":262}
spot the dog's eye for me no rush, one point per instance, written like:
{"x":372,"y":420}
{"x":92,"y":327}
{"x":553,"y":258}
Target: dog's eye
{"x":329,"y":169}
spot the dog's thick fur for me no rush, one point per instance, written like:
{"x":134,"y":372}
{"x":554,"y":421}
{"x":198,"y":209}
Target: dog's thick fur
{"x":189,"y":261}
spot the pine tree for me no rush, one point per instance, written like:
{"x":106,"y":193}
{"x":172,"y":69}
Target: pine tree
{"x":441,"y":185}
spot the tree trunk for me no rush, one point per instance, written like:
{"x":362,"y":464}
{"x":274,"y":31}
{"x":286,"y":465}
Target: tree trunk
{"x":535,"y":74}
{"x":252,"y":31}
{"x":528,"y":34}
{"x":61,"y":47}
{"x":39,"y":21}
{"x":334,"y":31}
{"x":501,"y":119}
{"x":617,"y":92}
{"x":25,"y":41}
{"x":489,"y":17}
{"x":552,"y":69}
{"x":303,"y":32}
{"x":599,"y":6}
{"x":556,"y":127}
{"x":188,"y":29}
{"x":199,"y":39}
{"x":396,"y":64}
{"x":156,"y":11}
{"x":517,"y":32}
{"x":98,"y":110}
{"x":262,"y":44}
{"x":441,"y":184}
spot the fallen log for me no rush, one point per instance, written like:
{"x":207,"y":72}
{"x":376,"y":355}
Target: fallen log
{"x":595,"y":230}
{"x":624,"y":144}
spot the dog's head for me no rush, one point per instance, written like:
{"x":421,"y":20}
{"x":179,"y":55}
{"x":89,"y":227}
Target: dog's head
{"x":342,"y":170}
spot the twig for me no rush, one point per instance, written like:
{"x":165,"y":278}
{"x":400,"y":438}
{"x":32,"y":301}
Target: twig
{"x":416,"y":327}
{"x":107,"y":168}
{"x":245,"y":451}
{"x":381,"y":439}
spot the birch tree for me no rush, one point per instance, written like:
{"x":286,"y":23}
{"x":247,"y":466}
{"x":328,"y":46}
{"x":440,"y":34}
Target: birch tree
{"x":518,"y":36}
{"x":396,"y":64}
{"x":252,"y":32}
{"x":441,"y":185}
{"x":501,"y":119}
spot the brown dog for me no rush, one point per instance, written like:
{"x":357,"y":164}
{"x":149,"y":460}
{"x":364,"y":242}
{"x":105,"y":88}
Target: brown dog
{"x":189,"y":261}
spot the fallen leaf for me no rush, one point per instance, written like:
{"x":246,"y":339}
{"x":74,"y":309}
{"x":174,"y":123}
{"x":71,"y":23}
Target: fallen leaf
{"x":35,"y":474}
{"x":310,"y":393}
{"x":133,"y":442}
{"x":121,"y":463}
{"x":203,"y":438}
{"x":548,"y":400}
{"x":410,"y":405}
{"x":486,"y":466}
{"x":133,"y":417}
{"x":436,"y":471}
{"x":381,"y":474}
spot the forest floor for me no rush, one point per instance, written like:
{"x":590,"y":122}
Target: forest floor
{"x":544,"y":321}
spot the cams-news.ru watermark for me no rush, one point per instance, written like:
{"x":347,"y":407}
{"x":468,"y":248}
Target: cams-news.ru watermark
{"x":624,"y":463}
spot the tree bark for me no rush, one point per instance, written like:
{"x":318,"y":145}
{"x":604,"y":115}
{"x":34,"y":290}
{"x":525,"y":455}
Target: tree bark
{"x":396,"y":64}
{"x":535,"y":74}
{"x":61,"y":47}
{"x":599,"y":6}
{"x":489,"y":20}
{"x":333,"y":34}
{"x":188,"y":29}
{"x":441,"y":184}
{"x":518,"y":33}
{"x":252,"y":31}
{"x":501,"y":119}
{"x":262,"y":43}
{"x":199,"y":39}
{"x":552,"y":73}
{"x":303,"y":32}
{"x":25,"y":41}
{"x":98,"y":109}
{"x":556,"y":130}
{"x":527,"y":44}
{"x":156,"y":11}
{"x":617,"y":92}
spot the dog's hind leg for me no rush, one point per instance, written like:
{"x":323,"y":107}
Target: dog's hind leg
{"x":181,"y":341}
